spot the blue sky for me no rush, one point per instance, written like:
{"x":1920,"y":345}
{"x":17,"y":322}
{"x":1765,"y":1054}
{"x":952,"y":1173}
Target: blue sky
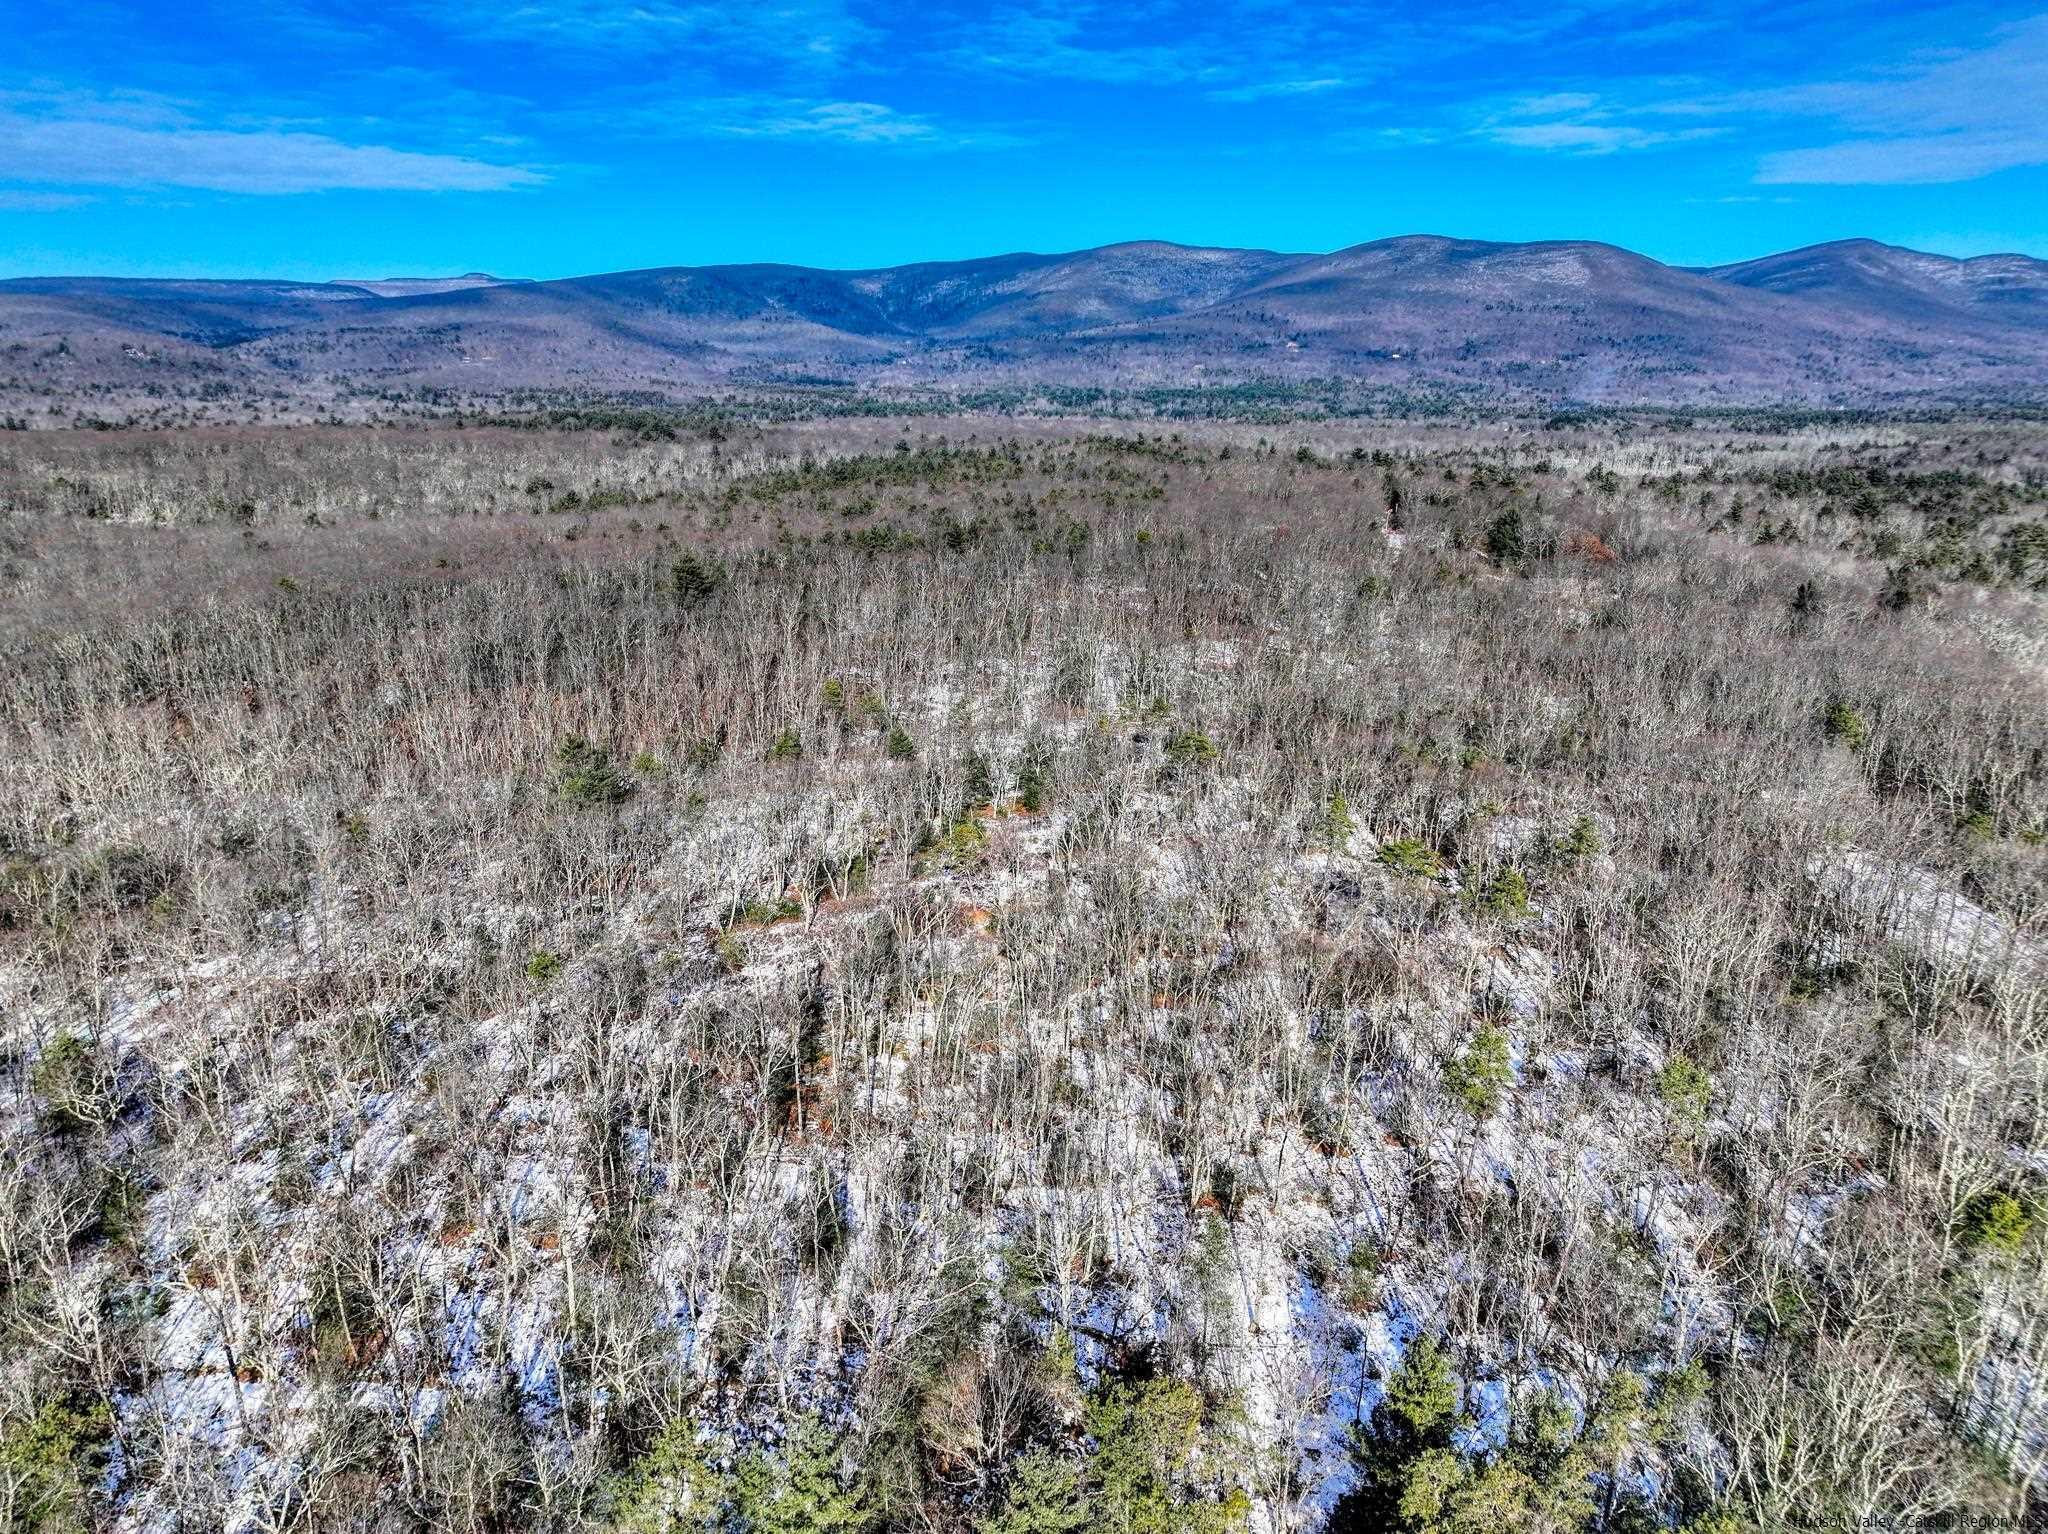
{"x":313,"y":140}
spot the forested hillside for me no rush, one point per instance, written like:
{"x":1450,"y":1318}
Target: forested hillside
{"x":1024,"y":976}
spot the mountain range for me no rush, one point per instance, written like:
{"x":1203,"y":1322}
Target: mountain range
{"x":1850,"y":323}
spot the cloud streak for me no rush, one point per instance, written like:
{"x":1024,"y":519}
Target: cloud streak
{"x":111,"y":152}
{"x":1941,"y":118}
{"x":1584,"y":137}
{"x":1957,"y":118}
{"x":1278,"y":89}
{"x":1576,"y":122}
{"x":813,"y":34}
{"x":12,"y":201}
{"x":847,"y":122}
{"x":769,"y":117}
{"x":1924,"y":160}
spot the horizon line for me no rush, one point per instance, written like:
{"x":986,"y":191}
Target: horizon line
{"x":1021,"y":254}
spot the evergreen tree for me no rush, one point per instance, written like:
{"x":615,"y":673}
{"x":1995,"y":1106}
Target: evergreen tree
{"x":1043,"y":1496}
{"x":1407,"y":1438}
{"x":696,"y":580}
{"x":672,"y":1489}
{"x":1505,"y":540}
{"x":801,"y":1491}
{"x":584,"y":773}
{"x":1139,"y":1473}
{"x":1413,"y":1479}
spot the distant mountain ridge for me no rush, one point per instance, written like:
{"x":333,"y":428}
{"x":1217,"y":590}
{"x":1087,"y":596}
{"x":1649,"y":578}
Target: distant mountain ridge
{"x":1853,"y":322}
{"x":1999,"y":289}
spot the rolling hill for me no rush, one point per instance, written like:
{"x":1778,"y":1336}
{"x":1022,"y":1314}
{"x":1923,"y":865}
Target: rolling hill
{"x":1849,"y":323}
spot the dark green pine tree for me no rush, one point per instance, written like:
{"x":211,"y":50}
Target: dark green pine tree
{"x":1413,"y":1419}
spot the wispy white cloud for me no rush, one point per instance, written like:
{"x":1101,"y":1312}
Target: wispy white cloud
{"x":850,"y":122}
{"x":12,"y":201}
{"x":1944,"y":116}
{"x":816,"y":32}
{"x":1061,"y":45}
{"x":1221,"y":51}
{"x":1576,"y":122}
{"x":1905,"y":161}
{"x":127,"y":146}
{"x":1582,"y":137}
{"x":1257,"y":50}
{"x":797,"y":119}
{"x":1275,"y":89}
{"x":1557,"y":103}
{"x":1954,"y":117}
